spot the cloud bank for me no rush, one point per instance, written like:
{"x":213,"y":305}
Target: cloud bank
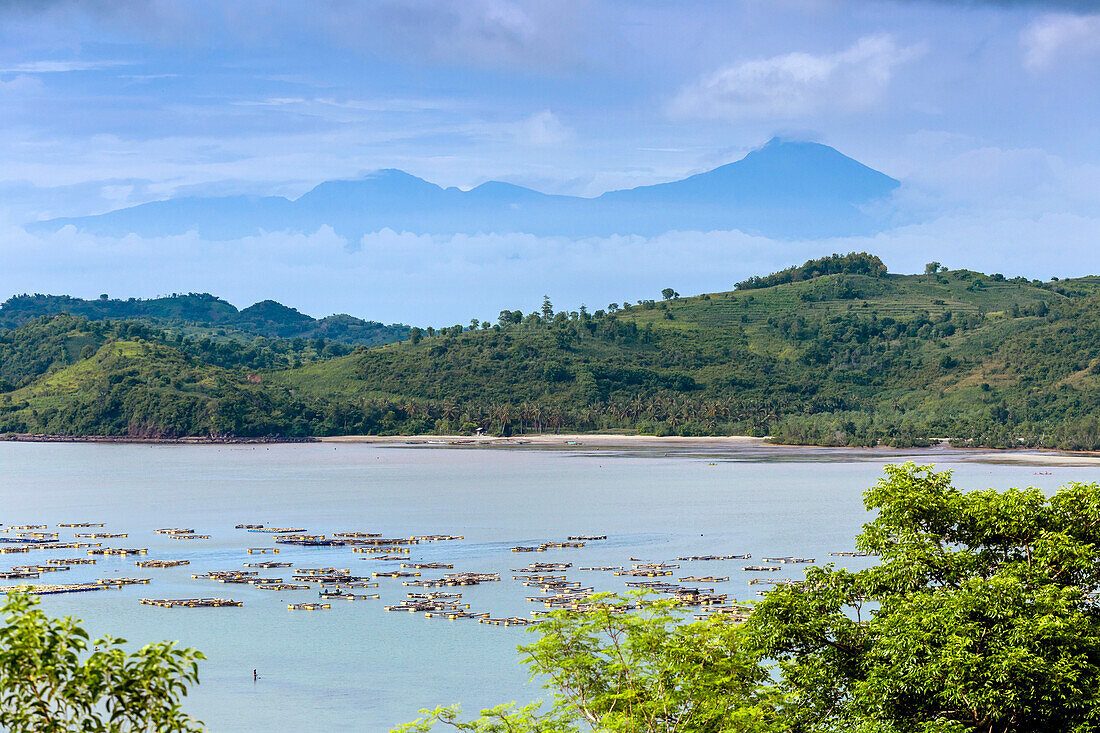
{"x":797,"y":85}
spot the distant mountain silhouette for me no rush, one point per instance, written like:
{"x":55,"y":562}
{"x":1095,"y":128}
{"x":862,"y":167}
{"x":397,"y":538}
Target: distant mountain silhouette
{"x":784,"y":189}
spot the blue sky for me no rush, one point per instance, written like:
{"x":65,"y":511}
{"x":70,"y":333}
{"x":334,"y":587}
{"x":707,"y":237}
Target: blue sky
{"x":985,"y":110}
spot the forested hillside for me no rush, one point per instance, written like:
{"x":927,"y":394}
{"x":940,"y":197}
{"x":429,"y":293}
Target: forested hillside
{"x":202,"y":314}
{"x":853,"y":357}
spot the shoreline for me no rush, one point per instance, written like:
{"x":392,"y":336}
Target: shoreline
{"x":1023,"y":456}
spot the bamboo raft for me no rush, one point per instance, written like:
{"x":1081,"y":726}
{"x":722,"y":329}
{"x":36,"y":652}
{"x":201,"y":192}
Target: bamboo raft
{"x":18,"y":575}
{"x":388,"y":558}
{"x":283,"y":586}
{"x":101,"y":535}
{"x":192,"y":602}
{"x":268,"y":564}
{"x":423,"y":606}
{"x":705,"y":579}
{"x":215,"y":574}
{"x":249,"y":580}
{"x":427,"y":565}
{"x":760,"y":568}
{"x":587,"y":537}
{"x":274,"y":530}
{"x":25,"y":527}
{"x":174,"y":530}
{"x":437,"y":537}
{"x":40,"y":568}
{"x":321,"y":571}
{"x":396,"y":574}
{"x":80,"y":524}
{"x":189,"y":537}
{"x":851,"y":554}
{"x":654,"y":566}
{"x":455,"y":615}
{"x":380,"y":550}
{"x":38,"y":535}
{"x":704,"y":558}
{"x":48,"y":590}
{"x":604,"y":568}
{"x":262,"y":550}
{"x":249,"y":526}
{"x":161,"y":563}
{"x":121,"y":551}
{"x":72,"y":561}
{"x":119,"y":582}
{"x":453,"y":579}
{"x":510,"y":621}
{"x":335,"y":579}
{"x":308,"y":606}
{"x":538,"y":577}
{"x":542,"y":567}
{"x":349,"y":596}
{"x":643,"y":573}
{"x":32,"y":546}
{"x":358,"y":535}
{"x":434,"y":596}
{"x":349,"y":584}
{"x":785,"y":560}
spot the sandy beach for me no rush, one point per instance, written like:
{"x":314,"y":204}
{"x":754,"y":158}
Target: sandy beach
{"x":1022,"y":456}
{"x":560,"y":439}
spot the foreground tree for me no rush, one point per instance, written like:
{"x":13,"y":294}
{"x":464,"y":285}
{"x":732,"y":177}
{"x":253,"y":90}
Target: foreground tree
{"x":50,"y":683}
{"x":986,"y":618}
{"x":980,"y":618}
{"x":617,"y":669}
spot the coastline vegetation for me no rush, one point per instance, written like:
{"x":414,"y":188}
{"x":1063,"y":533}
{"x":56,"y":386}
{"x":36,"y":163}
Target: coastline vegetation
{"x":834,"y":352}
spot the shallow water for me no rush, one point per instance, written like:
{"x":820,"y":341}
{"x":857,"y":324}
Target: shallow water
{"x":356,"y":667}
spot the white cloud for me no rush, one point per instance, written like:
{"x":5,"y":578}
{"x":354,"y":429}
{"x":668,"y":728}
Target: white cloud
{"x":798,"y":84}
{"x":58,"y":67}
{"x":1059,"y":34}
{"x":477,"y":275}
{"x":542,"y":129}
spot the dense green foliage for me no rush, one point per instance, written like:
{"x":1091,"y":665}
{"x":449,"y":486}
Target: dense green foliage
{"x":203,"y":315}
{"x":50,"y":682}
{"x":838,"y":359}
{"x":854,"y":263}
{"x":981,"y":617}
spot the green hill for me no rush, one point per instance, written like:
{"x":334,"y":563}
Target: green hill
{"x":854,"y":357}
{"x":202,"y":314}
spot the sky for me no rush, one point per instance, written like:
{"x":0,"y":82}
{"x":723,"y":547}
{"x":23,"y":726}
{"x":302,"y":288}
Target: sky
{"x":986,"y":111}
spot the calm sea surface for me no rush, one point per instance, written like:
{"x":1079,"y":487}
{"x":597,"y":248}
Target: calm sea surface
{"x":357,"y":667}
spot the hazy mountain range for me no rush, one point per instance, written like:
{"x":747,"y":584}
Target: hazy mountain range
{"x":784,"y":189}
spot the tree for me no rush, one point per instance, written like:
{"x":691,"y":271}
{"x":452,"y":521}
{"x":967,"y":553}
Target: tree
{"x":415,"y":334}
{"x":669,"y":294}
{"x":614,"y":670}
{"x":49,"y":683}
{"x":547,"y":308}
{"x":932,"y":268}
{"x":985,"y":621}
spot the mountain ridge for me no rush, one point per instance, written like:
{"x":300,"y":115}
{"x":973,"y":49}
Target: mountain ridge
{"x":785,"y":189}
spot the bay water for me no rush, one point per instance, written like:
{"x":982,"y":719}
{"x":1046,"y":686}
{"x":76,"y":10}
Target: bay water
{"x":356,"y":667}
